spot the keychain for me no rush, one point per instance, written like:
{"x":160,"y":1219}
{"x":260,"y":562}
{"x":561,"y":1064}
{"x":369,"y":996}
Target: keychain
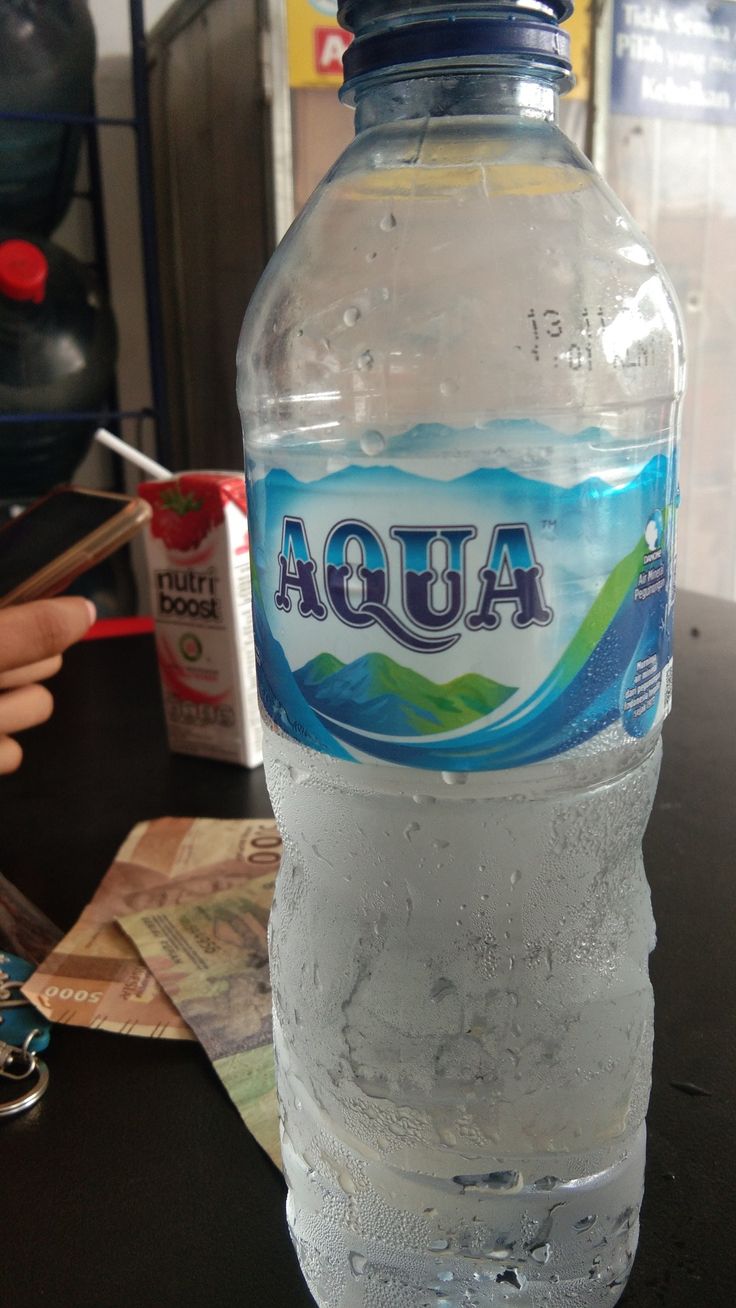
{"x":21,"y":1023}
{"x":17,"y":1063}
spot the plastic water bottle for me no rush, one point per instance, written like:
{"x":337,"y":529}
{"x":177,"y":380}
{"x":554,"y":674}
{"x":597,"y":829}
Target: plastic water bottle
{"x":460,"y":382}
{"x":58,"y":344}
{"x":47,"y":61}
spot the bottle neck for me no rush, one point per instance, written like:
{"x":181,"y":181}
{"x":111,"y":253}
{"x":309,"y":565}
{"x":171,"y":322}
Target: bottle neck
{"x":491,"y":93}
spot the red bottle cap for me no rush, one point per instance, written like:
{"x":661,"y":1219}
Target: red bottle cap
{"x":24,"y":270}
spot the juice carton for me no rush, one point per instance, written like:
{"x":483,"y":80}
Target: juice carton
{"x":199,"y":567}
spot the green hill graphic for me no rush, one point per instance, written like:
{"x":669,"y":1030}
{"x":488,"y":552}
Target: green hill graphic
{"x":376,"y":694}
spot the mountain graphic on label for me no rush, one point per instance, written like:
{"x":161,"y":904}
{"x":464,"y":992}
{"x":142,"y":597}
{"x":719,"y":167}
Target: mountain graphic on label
{"x":378,"y":695}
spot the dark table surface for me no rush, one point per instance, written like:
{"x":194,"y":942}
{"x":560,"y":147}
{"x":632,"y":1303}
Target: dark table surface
{"x":134,"y":1181}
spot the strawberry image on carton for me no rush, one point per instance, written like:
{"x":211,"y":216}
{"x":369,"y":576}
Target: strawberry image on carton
{"x":199,"y":568}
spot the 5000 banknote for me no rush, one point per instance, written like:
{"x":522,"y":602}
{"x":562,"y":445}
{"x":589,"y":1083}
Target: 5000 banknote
{"x":94,"y":976}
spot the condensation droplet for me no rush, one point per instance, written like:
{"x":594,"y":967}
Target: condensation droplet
{"x":454,"y":778}
{"x":351,"y":315}
{"x":546,"y":1183}
{"x":540,"y":1253}
{"x":448,"y":388}
{"x":370,"y":257}
{"x":585,"y":1223}
{"x":358,"y":1263}
{"x":424,"y":799}
{"x":437,"y":1246}
{"x":346,"y":1182}
{"x":387,"y":223}
{"x":372,"y":442}
{"x":441,"y":989}
{"x":299,"y":332}
{"x":365,"y":361}
{"x":516,"y":876}
{"x":410,"y":829}
{"x":446,"y":1276}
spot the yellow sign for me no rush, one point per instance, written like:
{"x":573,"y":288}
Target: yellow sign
{"x":580,"y":29}
{"x":316,"y":43}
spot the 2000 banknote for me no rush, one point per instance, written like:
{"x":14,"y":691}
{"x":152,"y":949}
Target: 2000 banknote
{"x":211,"y":957}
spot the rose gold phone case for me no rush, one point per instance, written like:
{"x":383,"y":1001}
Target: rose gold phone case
{"x":67,"y":566}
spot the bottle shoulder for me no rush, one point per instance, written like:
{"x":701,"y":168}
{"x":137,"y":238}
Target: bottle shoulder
{"x":468,"y":255}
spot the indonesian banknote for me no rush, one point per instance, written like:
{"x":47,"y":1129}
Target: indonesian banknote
{"x":211,"y":957}
{"x":94,"y":976}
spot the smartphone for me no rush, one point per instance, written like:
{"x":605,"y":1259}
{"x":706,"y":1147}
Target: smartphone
{"x":48,"y":545}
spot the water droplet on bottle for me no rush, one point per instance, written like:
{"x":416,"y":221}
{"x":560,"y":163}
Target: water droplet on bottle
{"x":511,"y":1276}
{"x":437,"y":1246}
{"x":351,"y":315}
{"x":585,"y":1223}
{"x":499,"y":1255}
{"x":372,"y":442}
{"x":358,"y":1263}
{"x":370,"y":257}
{"x":454,"y":778}
{"x":441,"y":989}
{"x":515,"y":877}
{"x":346,"y":1182}
{"x":299,"y":332}
{"x":446,"y":1276}
{"x":423,"y":799}
{"x":540,"y":1253}
{"x":503,"y":1182}
{"x":365,"y":361}
{"x":387,"y":223}
{"x":448,"y":388}
{"x":441,"y":844}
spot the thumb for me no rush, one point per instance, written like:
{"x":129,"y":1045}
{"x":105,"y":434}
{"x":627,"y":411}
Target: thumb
{"x":41,"y":629}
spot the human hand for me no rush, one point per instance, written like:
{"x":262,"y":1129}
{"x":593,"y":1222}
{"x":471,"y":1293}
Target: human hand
{"x":32,"y":638}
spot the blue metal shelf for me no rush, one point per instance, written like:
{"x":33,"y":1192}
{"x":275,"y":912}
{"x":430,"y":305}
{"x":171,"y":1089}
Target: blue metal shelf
{"x":139,"y":123}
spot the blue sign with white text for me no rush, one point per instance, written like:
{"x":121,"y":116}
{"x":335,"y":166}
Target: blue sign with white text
{"x":674,"y":59}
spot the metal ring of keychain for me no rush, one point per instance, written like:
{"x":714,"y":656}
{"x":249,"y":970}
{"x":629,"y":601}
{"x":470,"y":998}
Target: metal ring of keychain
{"x":18,"y":1062}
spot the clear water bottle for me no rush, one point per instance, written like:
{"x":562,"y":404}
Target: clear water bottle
{"x":460,"y":381}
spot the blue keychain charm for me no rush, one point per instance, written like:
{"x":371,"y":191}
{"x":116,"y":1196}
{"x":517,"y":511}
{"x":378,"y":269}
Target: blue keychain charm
{"x":18,"y":1018}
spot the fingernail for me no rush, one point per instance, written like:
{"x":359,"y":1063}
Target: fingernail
{"x":92,"y":611}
